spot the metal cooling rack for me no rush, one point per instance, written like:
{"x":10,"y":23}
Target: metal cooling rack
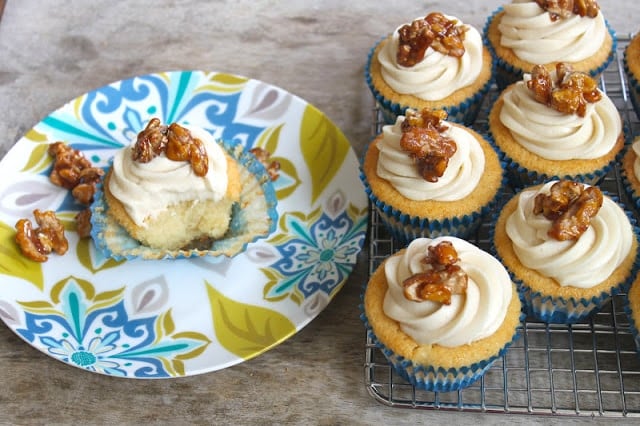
{"x":585,"y":369}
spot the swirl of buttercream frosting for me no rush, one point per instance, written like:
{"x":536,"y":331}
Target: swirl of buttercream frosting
{"x":555,"y":135}
{"x":460,"y":178}
{"x":438,"y":75}
{"x":470,"y":317}
{"x":529,"y":31}
{"x":582,"y":263}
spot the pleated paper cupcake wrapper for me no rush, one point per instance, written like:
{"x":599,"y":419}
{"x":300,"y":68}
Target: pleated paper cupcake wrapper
{"x":633,"y":325}
{"x":465,"y":112}
{"x":520,"y":177}
{"x":506,"y":74}
{"x":406,"y":228}
{"x":634,"y":87}
{"x":434,"y":378}
{"x":253,"y":217}
{"x":561,"y":310}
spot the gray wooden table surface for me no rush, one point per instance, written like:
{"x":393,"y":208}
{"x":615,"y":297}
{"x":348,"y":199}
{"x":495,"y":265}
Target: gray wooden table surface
{"x":53,"y":51}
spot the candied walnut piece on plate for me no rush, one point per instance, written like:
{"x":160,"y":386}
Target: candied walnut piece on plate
{"x":83,"y":223}
{"x":570,"y":206}
{"x":264,"y":157}
{"x":436,"y":31}
{"x":422,"y":138}
{"x":36,"y":244}
{"x":441,"y":281}
{"x":569,"y":93}
{"x":71,"y":170}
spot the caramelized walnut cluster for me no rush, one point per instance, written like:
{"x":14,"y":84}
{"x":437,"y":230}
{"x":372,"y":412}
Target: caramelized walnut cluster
{"x":441,"y":281}
{"x":422,"y":137}
{"x":565,"y":8}
{"x":569,"y":92}
{"x":175,"y":141}
{"x":36,"y":244}
{"x":71,"y":170}
{"x":570,"y":206}
{"x":435,"y":30}
{"x":264,"y":157}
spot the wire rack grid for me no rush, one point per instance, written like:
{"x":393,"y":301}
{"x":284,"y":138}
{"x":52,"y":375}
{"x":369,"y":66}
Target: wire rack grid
{"x":585,"y":369}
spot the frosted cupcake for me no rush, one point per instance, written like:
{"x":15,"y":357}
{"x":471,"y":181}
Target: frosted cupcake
{"x":568,"y":247}
{"x":442,"y":311}
{"x":429,"y":177}
{"x":416,"y":68}
{"x":525,"y":33}
{"x":176,"y":192}
{"x":549,"y":129}
{"x":631,"y":62}
{"x":632,"y":309}
{"x":630,"y":172}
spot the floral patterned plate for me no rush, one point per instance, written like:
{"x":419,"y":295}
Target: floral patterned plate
{"x":171,"y":318}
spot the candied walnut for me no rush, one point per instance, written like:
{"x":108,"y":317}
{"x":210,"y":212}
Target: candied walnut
{"x":151,"y":142}
{"x":37,"y":244}
{"x":264,"y":157}
{"x":182,"y":146}
{"x":68,"y":164}
{"x":422,"y":138}
{"x":566,"y":8}
{"x":570,"y":206}
{"x":83,"y":223}
{"x":441,"y":281}
{"x":569,"y":93}
{"x":436,"y":31}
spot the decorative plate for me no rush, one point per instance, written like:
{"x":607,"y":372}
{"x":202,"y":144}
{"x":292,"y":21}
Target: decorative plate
{"x":171,"y":318}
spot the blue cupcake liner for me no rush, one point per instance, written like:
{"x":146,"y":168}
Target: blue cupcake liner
{"x":256,"y":219}
{"x":634,"y":86}
{"x":520,"y":177}
{"x":633,"y":326}
{"x":506,"y":74}
{"x":561,"y":310}
{"x":465,"y":112}
{"x":405,"y":228}
{"x":431,"y":377}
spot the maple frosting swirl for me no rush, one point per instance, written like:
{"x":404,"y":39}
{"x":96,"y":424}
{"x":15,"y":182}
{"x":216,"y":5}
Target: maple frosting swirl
{"x":581,"y":263}
{"x":534,"y":37}
{"x":460,"y":178}
{"x":555,"y":135}
{"x":470,"y":317}
{"x":437,"y":75}
{"x":146,"y":189}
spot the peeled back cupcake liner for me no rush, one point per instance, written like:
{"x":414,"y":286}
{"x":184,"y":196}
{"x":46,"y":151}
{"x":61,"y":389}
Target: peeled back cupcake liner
{"x":252,"y":218}
{"x":506,"y":74}
{"x":562,"y":310}
{"x":465,"y":112}
{"x":435,"y":378}
{"x":520,"y":177}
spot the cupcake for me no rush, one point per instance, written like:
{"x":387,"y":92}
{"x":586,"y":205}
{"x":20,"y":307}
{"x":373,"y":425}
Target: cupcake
{"x":632,"y":309}
{"x":630,"y":172}
{"x":525,"y":33}
{"x":631,"y":61}
{"x":556,"y":125}
{"x":568,"y":246}
{"x":436,"y":62}
{"x":177,"y":192}
{"x":428,"y":177}
{"x":442,"y":311}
